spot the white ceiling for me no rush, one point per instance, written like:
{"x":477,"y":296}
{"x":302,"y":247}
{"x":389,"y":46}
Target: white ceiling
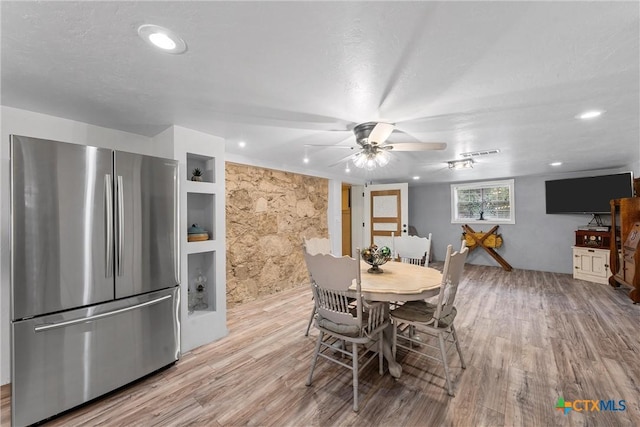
{"x":282,"y":75}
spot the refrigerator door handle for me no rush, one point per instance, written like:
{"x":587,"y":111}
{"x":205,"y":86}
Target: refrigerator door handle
{"x":108,"y":199}
{"x":120,"y":191}
{"x":49,"y":326}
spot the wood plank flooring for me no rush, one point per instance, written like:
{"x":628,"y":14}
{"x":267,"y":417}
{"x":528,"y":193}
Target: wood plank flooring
{"x":528,"y":337}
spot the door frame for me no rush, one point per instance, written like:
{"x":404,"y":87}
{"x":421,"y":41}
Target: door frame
{"x":404,"y":208}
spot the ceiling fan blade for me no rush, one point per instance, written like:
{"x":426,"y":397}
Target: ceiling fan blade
{"x":417,"y":146}
{"x":330,"y":146}
{"x":344,"y":159}
{"x":381,"y":132}
{"x":324,"y":140}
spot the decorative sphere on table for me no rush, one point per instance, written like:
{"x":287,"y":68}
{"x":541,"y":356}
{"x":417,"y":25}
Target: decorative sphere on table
{"x":375,"y":257}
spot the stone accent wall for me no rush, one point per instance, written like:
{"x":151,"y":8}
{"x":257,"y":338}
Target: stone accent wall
{"x":267,"y":214}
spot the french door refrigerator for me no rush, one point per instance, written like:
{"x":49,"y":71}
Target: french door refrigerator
{"x":95,"y":272}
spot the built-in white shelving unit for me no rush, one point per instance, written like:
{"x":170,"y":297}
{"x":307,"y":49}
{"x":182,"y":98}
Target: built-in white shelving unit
{"x":203,"y":288}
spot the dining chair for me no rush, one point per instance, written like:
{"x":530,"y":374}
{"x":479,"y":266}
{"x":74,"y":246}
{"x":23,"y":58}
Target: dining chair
{"x":341,"y":323}
{"x":313,"y":246}
{"x":416,"y":320}
{"x":317,"y":245}
{"x":412,"y":249}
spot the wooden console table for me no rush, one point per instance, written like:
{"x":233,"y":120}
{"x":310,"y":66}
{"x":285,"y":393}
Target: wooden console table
{"x":487,"y":241}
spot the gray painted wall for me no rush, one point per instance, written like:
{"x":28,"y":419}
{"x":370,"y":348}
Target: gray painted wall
{"x":536,"y":241}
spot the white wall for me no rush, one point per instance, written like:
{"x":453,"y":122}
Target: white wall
{"x":357,"y":218}
{"x":21,"y":122}
{"x":334,"y":215}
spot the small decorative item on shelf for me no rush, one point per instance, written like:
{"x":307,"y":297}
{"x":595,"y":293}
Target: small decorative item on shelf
{"x":196,"y":175}
{"x":375,"y":257}
{"x":200,"y":298}
{"x":197,"y":234}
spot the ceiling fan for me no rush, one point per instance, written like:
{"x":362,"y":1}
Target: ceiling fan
{"x":371,"y":138}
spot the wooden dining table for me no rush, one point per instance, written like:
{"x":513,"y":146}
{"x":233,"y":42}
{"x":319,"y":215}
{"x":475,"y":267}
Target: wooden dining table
{"x":399,"y":282}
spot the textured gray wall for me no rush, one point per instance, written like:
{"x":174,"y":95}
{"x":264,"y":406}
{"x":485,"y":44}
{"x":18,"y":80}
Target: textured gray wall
{"x":536,"y":241}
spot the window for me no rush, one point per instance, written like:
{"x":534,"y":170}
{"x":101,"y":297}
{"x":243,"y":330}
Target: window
{"x":483,"y":202}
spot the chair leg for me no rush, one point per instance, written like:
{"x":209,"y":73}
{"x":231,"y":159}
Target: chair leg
{"x":313,"y":313}
{"x":455,"y":337}
{"x":315,"y":357}
{"x":394,"y":338}
{"x":380,"y":353}
{"x":354,"y":367}
{"x":412,"y":335}
{"x":443,"y":351}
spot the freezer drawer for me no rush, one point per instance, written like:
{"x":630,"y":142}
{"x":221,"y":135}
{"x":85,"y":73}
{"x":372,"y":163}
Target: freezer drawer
{"x":63,"y":360}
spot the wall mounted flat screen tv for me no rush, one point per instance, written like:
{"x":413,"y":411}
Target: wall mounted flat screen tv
{"x":588,"y":195}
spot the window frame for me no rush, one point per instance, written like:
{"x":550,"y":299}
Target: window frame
{"x":509,"y":183}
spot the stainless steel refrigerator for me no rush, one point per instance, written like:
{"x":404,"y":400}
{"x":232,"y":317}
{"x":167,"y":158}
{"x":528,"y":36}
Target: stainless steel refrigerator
{"x":95,"y":272}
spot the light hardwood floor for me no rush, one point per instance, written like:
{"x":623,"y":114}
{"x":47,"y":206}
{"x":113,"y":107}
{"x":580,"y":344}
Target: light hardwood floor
{"x":528,"y":337}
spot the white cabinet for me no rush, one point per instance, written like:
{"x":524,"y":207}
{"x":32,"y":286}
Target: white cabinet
{"x":591,"y":264}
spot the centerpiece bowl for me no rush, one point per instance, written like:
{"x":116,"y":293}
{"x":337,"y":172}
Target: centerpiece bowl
{"x":375,"y":256}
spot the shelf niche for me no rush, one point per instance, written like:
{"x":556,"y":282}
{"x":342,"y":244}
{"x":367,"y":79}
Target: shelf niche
{"x":201,"y":264}
{"x":205,"y":163}
{"x":201,"y":211}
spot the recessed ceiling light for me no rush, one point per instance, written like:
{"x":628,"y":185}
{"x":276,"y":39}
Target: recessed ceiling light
{"x":590,"y":114}
{"x":306,"y":160}
{"x":347,"y":170}
{"x":242,"y":144}
{"x":416,"y":177}
{"x":555,"y":163}
{"x":162,"y":38}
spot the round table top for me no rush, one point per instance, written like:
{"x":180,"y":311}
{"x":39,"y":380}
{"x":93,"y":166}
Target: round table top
{"x":400,"y":282}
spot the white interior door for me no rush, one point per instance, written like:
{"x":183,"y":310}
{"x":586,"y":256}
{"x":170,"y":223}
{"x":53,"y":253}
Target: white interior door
{"x":386,"y":211}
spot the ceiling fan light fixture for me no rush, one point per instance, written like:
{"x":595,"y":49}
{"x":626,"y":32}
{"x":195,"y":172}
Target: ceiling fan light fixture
{"x":460,"y":164}
{"x":382,"y":158}
{"x":370,"y":164}
{"x":371,"y":159}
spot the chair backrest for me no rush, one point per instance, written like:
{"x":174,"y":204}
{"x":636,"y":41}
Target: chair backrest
{"x":412,"y":249}
{"x":317,"y":245}
{"x":451,"y":274}
{"x":331,"y":277}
